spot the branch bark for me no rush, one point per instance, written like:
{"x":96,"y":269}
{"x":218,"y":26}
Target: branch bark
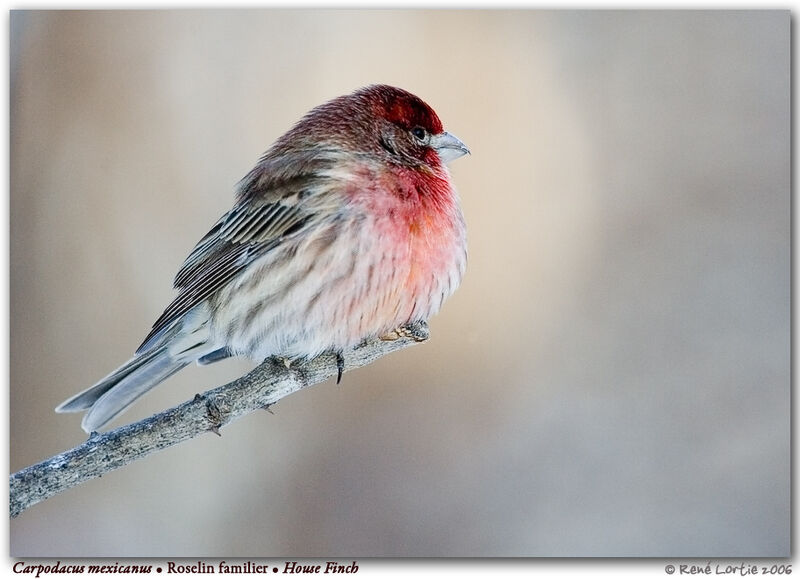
{"x":265,"y":385}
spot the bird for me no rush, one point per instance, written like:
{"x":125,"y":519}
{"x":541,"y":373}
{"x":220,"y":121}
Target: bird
{"x":348,"y":227}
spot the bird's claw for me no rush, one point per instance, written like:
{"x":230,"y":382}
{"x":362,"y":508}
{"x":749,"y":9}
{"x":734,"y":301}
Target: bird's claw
{"x":339,"y":366}
{"x":417,"y":331}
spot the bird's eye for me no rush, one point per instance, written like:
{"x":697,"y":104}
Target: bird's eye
{"x":419,"y":133}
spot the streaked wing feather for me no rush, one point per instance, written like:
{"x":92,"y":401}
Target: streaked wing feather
{"x":196,"y":258}
{"x":245,"y":233}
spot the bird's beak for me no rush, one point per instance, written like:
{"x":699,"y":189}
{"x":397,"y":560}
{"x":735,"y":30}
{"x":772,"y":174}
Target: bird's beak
{"x":448,"y":146}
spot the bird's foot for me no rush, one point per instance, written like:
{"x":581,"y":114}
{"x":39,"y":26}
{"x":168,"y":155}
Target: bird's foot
{"x":417,"y":331}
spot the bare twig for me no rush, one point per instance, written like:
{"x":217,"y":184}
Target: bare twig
{"x":264,"y":386}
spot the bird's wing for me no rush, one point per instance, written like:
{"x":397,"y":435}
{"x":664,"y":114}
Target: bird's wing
{"x":268,"y":212}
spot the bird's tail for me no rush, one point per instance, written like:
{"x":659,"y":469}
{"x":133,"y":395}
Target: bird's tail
{"x":116,"y":392}
{"x":185,"y":342}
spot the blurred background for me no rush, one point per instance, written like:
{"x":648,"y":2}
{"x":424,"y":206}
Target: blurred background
{"x":612,"y":378}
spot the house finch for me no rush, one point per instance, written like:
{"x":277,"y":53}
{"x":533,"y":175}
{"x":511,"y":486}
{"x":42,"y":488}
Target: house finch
{"x":347,"y":228}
